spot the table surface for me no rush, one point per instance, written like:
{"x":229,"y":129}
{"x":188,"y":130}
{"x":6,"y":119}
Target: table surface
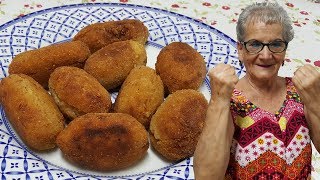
{"x":221,"y":15}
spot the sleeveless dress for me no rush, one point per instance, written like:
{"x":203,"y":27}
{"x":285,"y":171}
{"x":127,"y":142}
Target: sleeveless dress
{"x":267,"y":145}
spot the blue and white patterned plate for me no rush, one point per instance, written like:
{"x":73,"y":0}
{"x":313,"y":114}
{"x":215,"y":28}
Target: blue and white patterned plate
{"x":58,"y":24}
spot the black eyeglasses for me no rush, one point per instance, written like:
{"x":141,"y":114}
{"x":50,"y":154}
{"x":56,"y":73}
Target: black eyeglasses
{"x":254,"y":46}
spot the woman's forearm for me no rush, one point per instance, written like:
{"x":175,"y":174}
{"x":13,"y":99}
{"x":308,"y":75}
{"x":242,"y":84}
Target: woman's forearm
{"x":313,"y":119}
{"x":212,"y":154}
{"x":306,"y":80}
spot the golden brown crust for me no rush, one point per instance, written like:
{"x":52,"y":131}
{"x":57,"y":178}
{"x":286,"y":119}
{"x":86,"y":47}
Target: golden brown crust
{"x":104,"y":141}
{"x":76,"y":92}
{"x":112,"y":64}
{"x":180,"y":67}
{"x":141,"y":94}
{"x":98,"y":35}
{"x":177,"y":124}
{"x":40,"y":63}
{"x":31,"y":111}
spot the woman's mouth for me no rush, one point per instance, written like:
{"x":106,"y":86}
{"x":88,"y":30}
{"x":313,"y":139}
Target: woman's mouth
{"x":264,"y":65}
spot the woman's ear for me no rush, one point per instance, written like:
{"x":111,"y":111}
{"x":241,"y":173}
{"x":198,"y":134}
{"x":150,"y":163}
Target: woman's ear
{"x":240,"y":48}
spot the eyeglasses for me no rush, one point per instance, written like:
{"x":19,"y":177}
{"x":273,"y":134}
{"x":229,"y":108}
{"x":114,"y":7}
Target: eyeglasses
{"x":254,"y":46}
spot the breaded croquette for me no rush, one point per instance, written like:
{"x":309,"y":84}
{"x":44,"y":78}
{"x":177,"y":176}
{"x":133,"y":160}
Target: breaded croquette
{"x":180,"y":67}
{"x":77,"y":92}
{"x":31,"y":111}
{"x":176,"y":126}
{"x":98,"y":35}
{"x":140,"y":95}
{"x":40,"y":63}
{"x":104,"y":141}
{"x":112,"y":64}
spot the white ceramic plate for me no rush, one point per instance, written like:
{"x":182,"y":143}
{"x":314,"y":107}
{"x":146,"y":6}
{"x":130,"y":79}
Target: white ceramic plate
{"x":61,"y":24}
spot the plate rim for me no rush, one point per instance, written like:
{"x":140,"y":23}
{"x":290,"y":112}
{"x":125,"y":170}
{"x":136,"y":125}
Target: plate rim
{"x":67,"y":6}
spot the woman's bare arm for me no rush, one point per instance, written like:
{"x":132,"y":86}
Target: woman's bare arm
{"x":307,"y":82}
{"x":212,"y":154}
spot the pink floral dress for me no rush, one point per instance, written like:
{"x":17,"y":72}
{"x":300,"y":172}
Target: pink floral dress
{"x":267,"y":145}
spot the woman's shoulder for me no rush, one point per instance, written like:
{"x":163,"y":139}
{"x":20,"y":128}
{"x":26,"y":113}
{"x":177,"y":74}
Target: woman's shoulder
{"x":292,"y":92}
{"x":290,"y":85}
{"x":237,"y":95}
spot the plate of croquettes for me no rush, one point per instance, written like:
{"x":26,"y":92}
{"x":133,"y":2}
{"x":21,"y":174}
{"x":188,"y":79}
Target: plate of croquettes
{"x":105,"y":91}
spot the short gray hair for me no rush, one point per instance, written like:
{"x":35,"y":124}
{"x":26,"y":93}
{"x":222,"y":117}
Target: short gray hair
{"x":268,"y":13}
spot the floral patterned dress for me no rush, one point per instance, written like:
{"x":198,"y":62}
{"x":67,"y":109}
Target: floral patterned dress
{"x":267,"y":145}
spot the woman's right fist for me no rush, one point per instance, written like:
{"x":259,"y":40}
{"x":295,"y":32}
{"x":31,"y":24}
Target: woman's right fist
{"x":222,"y":81}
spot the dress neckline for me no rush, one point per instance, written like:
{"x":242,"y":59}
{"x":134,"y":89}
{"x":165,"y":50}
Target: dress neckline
{"x":278,"y":113}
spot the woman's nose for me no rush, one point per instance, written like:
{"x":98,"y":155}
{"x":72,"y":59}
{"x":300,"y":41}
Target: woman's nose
{"x":265,"y":53}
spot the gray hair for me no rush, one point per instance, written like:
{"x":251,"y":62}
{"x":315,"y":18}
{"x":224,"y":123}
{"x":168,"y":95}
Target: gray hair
{"x":268,"y":13}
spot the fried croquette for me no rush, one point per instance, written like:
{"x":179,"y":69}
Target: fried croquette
{"x":141,"y":94}
{"x":112,"y":64}
{"x":98,"y":35}
{"x":176,"y":126}
{"x":180,"y":67}
{"x":104,"y":141}
{"x":40,"y":63}
{"x":31,"y":111}
{"x":76,"y":92}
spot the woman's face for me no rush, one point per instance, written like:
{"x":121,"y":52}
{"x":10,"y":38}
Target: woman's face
{"x":263,"y":65}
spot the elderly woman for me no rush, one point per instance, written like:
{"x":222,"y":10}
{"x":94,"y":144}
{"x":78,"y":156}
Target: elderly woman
{"x":266,"y":130}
